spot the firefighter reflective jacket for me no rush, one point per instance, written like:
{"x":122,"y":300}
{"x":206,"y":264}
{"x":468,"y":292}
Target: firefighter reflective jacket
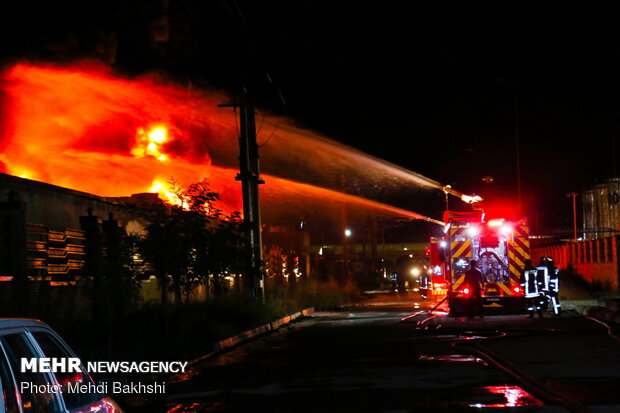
{"x":529,"y":282}
{"x":543,"y":279}
{"x":554,"y":281}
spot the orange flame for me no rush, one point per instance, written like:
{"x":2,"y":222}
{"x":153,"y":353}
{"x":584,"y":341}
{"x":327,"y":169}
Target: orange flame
{"x":80,"y":127}
{"x":84,"y":128}
{"x":165,"y":193}
{"x":150,"y":143}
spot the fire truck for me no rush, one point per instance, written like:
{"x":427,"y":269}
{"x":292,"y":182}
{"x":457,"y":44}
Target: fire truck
{"x":499,"y":246}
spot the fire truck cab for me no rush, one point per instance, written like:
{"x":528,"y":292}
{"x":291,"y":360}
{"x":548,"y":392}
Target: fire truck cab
{"x":500,"y":247}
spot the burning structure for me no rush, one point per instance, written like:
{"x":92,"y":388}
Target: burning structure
{"x":82,"y":127}
{"x":46,"y":227}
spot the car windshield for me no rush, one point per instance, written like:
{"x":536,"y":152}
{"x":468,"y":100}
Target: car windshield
{"x":18,"y":346}
{"x":8,"y":403}
{"x":54,"y":349}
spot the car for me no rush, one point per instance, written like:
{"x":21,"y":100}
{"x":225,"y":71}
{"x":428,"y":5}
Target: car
{"x":26,"y":391}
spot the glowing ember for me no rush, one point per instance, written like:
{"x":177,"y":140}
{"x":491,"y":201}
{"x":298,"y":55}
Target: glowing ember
{"x":164,"y":193}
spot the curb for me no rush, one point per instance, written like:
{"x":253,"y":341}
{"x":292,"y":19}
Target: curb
{"x":250,"y":334}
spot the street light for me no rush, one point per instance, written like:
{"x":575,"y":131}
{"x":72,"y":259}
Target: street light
{"x":348,"y":232}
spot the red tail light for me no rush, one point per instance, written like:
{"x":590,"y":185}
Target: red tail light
{"x":111,"y":406}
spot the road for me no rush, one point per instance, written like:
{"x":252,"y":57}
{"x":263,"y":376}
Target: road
{"x":367,"y":358}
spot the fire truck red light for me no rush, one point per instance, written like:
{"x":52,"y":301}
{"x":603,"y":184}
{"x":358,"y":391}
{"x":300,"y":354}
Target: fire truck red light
{"x":495,"y":222}
{"x":473,"y":231}
{"x":497,"y":244}
{"x":505,"y":230}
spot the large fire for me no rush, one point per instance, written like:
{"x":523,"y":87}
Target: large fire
{"x":82,"y":127}
{"x":86,"y":129}
{"x":149,"y":143}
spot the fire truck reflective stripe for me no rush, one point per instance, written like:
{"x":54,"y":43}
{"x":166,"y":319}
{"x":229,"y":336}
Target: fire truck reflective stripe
{"x":507,"y":290}
{"x":516,"y":266}
{"x":516,"y":259}
{"x":514,"y":272}
{"x":462,"y":249}
{"x":520,"y":243}
{"x":458,"y":283}
{"x":519,"y":251}
{"x":519,"y":257}
{"x":522,"y":239}
{"x":457,"y":231}
{"x":495,"y":305}
{"x":522,"y":231}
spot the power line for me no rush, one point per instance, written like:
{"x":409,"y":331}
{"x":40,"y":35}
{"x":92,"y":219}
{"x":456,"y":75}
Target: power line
{"x":275,"y":128}
{"x":235,"y":11}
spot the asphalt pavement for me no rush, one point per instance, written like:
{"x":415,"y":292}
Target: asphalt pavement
{"x":388,"y":354}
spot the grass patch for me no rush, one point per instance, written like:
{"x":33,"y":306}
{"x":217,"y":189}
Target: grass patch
{"x":182,"y":332}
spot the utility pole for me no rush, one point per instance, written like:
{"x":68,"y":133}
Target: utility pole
{"x":613,"y":156}
{"x":249,"y":175}
{"x":574,"y":196}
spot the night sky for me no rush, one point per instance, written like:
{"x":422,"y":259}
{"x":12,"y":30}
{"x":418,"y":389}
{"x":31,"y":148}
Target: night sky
{"x":430,"y":86}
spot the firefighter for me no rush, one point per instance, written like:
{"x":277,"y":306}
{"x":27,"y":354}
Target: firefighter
{"x":553,"y":286}
{"x":474,"y":281}
{"x":402,"y":265}
{"x":543,"y":287}
{"x":543,"y":283}
{"x":530,"y":281}
{"x":424,"y":282}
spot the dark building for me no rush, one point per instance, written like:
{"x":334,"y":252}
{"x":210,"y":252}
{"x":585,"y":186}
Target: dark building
{"x":601,"y":209}
{"x":47,"y":230}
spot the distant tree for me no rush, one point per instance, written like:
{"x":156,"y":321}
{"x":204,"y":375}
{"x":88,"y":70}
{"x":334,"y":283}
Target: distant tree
{"x":191,"y":240}
{"x":121,"y":283}
{"x":119,"y":286}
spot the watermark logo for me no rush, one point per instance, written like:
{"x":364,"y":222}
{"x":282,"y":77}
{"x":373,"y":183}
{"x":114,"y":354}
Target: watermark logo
{"x":72,"y":365}
{"x":50,"y":365}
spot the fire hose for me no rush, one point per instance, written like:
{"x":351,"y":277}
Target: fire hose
{"x":534,"y":386}
{"x":528,"y":382}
